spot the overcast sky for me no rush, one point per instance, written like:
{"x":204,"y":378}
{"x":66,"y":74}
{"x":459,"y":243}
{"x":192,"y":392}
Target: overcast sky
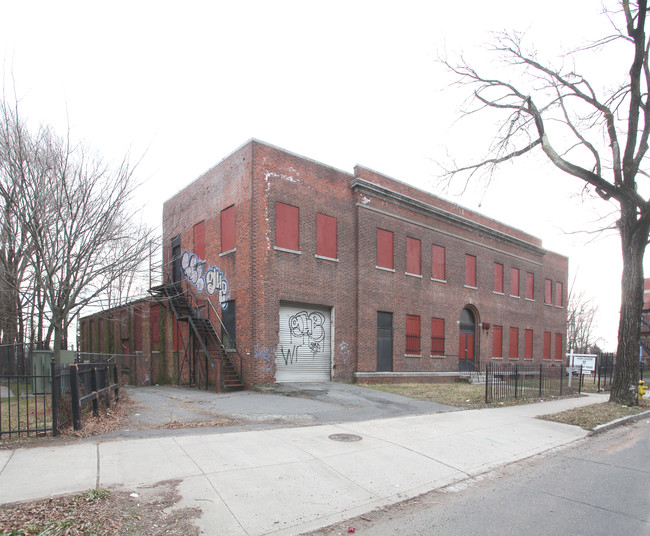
{"x":341,"y":82}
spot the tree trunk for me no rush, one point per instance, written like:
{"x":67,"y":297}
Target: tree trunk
{"x":634,"y":237}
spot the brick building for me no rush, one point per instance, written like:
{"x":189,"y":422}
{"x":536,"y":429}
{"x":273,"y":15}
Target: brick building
{"x":319,"y":274}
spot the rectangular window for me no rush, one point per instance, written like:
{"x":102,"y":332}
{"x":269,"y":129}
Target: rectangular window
{"x":326,"y":227}
{"x":228,"y":229}
{"x":548,"y":291}
{"x":514,"y":282}
{"x":287,"y":224}
{"x":497,"y":341}
{"x":384,"y":249}
{"x":547,"y":345}
{"x":558,"y":294}
{"x":198,"y":232}
{"x":514,"y":343}
{"x":498,"y":278}
{"x":528,"y":344}
{"x":413,"y":265}
{"x":437,"y":336}
{"x":470,"y":271}
{"x":438,"y":263}
{"x":558,"y":346}
{"x":530,"y":286}
{"x":412,"y":334}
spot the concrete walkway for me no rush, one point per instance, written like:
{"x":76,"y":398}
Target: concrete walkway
{"x":291,"y":480}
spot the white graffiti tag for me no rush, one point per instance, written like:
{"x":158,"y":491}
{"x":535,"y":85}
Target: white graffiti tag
{"x":211,"y":280}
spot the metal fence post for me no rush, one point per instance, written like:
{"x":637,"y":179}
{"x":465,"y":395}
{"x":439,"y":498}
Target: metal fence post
{"x":516,"y":379}
{"x":540,"y":379}
{"x":74,"y":391}
{"x":94,"y":388}
{"x":487,"y":373}
{"x":116,"y":382}
{"x":580,"y":381}
{"x":55,"y":400}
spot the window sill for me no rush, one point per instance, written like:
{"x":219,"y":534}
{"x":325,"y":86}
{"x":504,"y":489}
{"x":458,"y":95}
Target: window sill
{"x":471,"y":288}
{"x":497,"y":359}
{"x":513,"y":359}
{"x":412,"y":275}
{"x":413,"y":355}
{"x":384,"y":269}
{"x":438,"y":357}
{"x":498,"y":293}
{"x":295,"y":252}
{"x":227,"y":252}
{"x":528,"y":358}
{"x":559,"y":307}
{"x":530,"y":299}
{"x":326,"y":258}
{"x":438,"y":280}
{"x":513,"y":296}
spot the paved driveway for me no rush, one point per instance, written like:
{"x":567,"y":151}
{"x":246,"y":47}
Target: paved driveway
{"x":162,"y":410}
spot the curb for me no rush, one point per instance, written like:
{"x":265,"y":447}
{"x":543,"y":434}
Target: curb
{"x":618,"y":422}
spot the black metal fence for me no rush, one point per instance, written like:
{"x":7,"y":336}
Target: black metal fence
{"x":44,"y":404}
{"x":526,"y":381}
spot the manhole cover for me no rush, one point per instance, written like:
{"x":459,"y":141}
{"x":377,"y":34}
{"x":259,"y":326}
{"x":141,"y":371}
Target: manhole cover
{"x":345,"y":437}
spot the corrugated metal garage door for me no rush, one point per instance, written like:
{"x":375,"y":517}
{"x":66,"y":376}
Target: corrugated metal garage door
{"x":304,"y":353}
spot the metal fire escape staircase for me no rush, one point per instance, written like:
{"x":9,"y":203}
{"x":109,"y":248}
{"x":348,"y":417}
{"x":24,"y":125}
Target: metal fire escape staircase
{"x":217,"y":358}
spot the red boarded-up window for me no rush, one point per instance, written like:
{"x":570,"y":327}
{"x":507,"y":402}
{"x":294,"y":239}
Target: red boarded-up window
{"x":558,"y":346}
{"x":530,"y":286}
{"x":413,"y":256}
{"x":384,"y":249}
{"x":497,"y":341}
{"x":326,"y":236}
{"x":287,"y":221}
{"x":412,"y":334}
{"x":558,"y":294}
{"x":528,"y":344}
{"x":228,"y":229}
{"x":438,"y":263}
{"x":198,"y":233}
{"x":470,"y":271}
{"x":498,"y":278}
{"x":514,"y":343}
{"x":437,"y":336}
{"x":548,"y":291}
{"x":547,"y":345}
{"x":514,"y":282}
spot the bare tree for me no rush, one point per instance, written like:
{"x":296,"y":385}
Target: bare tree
{"x":598,"y":137}
{"x":581,"y":315}
{"x":76,"y":210}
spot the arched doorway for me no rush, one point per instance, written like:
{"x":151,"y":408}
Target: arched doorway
{"x":467,"y":340}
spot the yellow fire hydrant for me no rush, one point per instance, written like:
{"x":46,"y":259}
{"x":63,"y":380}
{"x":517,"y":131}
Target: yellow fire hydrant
{"x":642,"y":389}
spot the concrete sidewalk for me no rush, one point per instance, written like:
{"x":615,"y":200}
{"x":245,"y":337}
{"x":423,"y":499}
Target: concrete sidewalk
{"x":291,"y":480}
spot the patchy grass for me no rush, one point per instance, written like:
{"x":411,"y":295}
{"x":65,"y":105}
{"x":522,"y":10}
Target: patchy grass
{"x":591,"y":416}
{"x":31,"y":412}
{"x":459,"y":394}
{"x":98,"y":512}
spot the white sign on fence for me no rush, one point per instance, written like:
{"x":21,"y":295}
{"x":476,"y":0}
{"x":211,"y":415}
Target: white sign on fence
{"x":587,"y":361}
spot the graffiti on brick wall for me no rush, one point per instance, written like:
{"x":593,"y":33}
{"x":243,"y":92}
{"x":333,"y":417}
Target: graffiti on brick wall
{"x":266,"y":355}
{"x":211,"y":280}
{"x":345,"y":353}
{"x":306,"y":330}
